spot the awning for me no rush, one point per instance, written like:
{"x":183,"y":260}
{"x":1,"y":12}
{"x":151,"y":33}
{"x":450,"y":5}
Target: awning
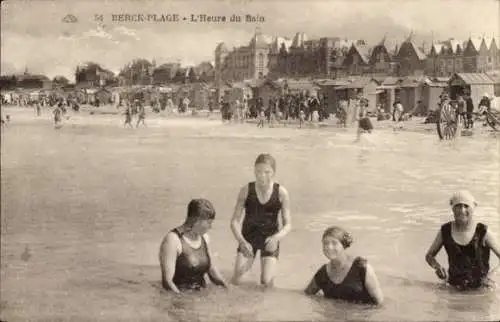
{"x":473,"y":79}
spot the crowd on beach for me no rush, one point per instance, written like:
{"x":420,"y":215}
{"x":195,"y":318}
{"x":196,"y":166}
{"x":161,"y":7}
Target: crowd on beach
{"x":262,"y":219}
{"x":306,"y":107}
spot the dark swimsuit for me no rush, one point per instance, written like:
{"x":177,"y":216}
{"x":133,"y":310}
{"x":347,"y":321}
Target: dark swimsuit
{"x":261,"y":220}
{"x":191,"y":265}
{"x":366,"y":124}
{"x":351,"y":289}
{"x":469,"y":264}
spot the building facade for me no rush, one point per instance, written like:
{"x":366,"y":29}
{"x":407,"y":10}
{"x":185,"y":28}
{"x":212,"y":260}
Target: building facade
{"x":332,"y":57}
{"x":476,"y":55}
{"x":246,"y":62}
{"x":320,"y":58}
{"x":410,"y":59}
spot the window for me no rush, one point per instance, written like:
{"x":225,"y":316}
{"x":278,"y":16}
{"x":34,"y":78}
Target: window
{"x":450,"y":65}
{"x":260,"y":64}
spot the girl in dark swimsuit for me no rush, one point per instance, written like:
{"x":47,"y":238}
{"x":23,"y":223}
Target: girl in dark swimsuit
{"x":467,"y":245}
{"x":255,"y":222}
{"x":185,"y":256}
{"x":344,"y":277}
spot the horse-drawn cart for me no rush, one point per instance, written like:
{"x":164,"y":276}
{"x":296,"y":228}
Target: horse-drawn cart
{"x":449,"y":122}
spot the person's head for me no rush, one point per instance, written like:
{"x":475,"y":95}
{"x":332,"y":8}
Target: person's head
{"x":200,"y":215}
{"x":265,"y":168}
{"x":462,"y":204}
{"x":335,"y":240}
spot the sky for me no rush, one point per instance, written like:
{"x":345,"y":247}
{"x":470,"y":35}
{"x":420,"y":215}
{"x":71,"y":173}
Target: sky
{"x":34,"y":36}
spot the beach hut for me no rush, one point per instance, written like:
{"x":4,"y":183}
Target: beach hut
{"x":35,"y":95}
{"x":116,"y":95}
{"x":269,"y":89}
{"x":182,"y":92}
{"x":366,"y":85}
{"x":386,"y":92}
{"x":495,"y":76}
{"x":239,"y":91}
{"x":328,"y":90}
{"x":200,"y":95}
{"x":410,"y":93}
{"x":101,"y":94}
{"x":304,"y":86}
{"x":477,"y":84}
{"x":431,"y":90}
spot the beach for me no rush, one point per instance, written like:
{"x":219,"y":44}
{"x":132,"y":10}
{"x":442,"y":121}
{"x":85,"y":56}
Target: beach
{"x":90,"y":202}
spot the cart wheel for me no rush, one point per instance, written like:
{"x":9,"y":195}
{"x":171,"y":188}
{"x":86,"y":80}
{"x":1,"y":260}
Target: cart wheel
{"x":447,"y":123}
{"x":493,"y":120}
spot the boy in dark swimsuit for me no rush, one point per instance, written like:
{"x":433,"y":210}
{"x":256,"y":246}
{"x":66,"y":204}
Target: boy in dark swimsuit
{"x":255,"y":222}
{"x":344,"y":277}
{"x":467,"y":245}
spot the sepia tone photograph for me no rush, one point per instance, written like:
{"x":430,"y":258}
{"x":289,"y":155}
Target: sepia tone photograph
{"x":250,"y":160}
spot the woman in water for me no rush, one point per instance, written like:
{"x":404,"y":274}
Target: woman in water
{"x":364,"y":122}
{"x":467,"y":245}
{"x":344,"y":277}
{"x":185,"y":256}
{"x":255,"y":222}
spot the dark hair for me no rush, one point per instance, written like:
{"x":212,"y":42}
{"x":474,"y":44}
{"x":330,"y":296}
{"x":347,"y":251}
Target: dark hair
{"x":266,"y":158}
{"x":339,"y":233}
{"x":200,"y":209}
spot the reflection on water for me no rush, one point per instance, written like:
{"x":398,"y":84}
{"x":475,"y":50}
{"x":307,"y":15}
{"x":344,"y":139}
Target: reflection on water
{"x":93,"y":201}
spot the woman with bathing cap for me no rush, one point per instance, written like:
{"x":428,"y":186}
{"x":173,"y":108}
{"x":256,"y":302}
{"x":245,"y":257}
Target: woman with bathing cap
{"x":255,"y":223}
{"x":185,"y":256}
{"x":467,"y":245}
{"x":344,"y":277}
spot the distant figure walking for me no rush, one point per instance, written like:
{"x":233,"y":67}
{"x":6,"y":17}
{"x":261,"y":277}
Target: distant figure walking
{"x":342,"y":113}
{"x":397,"y":113}
{"x":302,"y":118}
{"x":469,"y":105}
{"x":262,"y":118}
{"x":57,"y":117}
{"x":128,"y":117}
{"x":38,"y":108}
{"x":141,"y":117}
{"x":461,"y":110}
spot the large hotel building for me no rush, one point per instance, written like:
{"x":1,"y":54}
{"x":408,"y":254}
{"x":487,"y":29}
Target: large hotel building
{"x":331,"y":57}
